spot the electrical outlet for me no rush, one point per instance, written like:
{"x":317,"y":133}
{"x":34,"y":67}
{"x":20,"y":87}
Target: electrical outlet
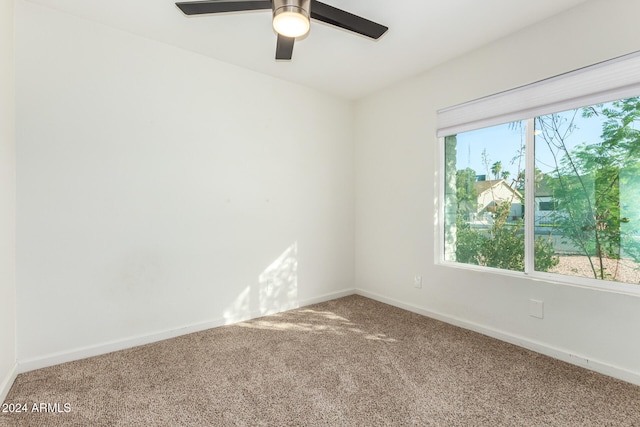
{"x":536,"y":308}
{"x":417,"y":281}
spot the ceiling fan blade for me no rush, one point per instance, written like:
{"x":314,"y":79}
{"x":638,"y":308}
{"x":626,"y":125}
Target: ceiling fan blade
{"x":348,"y":21}
{"x":217,"y":6}
{"x":284,"y":47}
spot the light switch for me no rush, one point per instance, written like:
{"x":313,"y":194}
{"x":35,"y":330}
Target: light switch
{"x":417,"y":281}
{"x":536,"y":308}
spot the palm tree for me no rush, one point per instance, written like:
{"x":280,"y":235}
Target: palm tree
{"x":496,"y":168}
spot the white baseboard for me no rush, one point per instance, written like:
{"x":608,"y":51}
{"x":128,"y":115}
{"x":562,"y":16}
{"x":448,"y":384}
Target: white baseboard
{"x":111,"y":346}
{"x":327,"y":297}
{"x":7,"y":382}
{"x":538,"y":347}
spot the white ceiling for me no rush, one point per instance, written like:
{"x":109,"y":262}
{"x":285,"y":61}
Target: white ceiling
{"x":422,"y":34}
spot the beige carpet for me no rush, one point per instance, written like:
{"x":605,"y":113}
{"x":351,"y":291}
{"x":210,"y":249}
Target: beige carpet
{"x":350,"y":361}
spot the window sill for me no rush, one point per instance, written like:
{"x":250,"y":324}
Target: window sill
{"x":581,"y":282}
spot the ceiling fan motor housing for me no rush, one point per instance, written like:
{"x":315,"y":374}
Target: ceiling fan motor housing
{"x":290,"y":18}
{"x":296,"y":6}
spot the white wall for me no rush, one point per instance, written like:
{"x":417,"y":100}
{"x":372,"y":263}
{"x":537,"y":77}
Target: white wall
{"x":159,"y":189}
{"x":7,"y":200}
{"x":396,"y":155}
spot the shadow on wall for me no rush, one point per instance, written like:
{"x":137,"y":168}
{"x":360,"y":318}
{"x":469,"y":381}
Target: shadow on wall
{"x":276,"y":290}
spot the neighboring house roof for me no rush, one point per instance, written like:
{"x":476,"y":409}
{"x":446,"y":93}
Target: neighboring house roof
{"x":543,"y":187}
{"x":496,"y":191}
{"x":484,"y":186}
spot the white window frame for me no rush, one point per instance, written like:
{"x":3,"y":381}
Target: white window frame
{"x":608,"y":81}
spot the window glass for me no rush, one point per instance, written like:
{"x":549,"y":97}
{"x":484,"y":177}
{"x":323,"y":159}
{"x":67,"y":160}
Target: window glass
{"x":587,"y":191}
{"x":484,"y":202}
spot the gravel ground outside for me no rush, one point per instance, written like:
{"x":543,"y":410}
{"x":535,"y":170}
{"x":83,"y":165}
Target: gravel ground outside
{"x":620,"y":270}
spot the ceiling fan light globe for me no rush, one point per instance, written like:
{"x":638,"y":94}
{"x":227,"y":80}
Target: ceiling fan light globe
{"x":291,"y":24}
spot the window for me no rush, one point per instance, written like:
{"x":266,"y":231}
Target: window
{"x":547,"y":206}
{"x":545,"y":179}
{"x":486,"y":181}
{"x":589,"y":160}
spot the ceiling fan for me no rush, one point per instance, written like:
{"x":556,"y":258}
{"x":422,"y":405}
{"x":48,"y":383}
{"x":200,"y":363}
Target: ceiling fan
{"x":290,"y":18}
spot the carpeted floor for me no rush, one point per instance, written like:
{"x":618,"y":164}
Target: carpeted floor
{"x":346,"y":362}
